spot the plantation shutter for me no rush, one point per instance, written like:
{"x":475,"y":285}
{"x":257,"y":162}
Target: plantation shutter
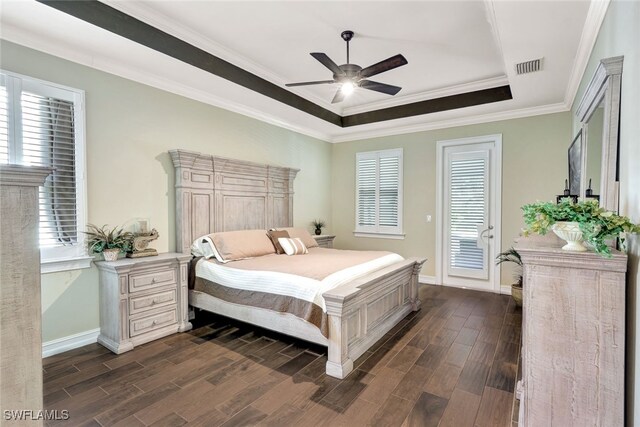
{"x":48,"y":140}
{"x":379,"y":192}
{"x":467,"y":209}
{"x":4,"y":128}
{"x":38,"y":129}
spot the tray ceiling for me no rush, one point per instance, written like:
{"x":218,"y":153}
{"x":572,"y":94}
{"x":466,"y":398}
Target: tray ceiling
{"x":452,"y":48}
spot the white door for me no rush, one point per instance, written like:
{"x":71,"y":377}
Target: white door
{"x":469,"y":212}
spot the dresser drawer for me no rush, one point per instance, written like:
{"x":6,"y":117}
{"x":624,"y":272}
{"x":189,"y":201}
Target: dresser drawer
{"x":155,"y":279}
{"x":157,"y":300}
{"x":152,"y":322}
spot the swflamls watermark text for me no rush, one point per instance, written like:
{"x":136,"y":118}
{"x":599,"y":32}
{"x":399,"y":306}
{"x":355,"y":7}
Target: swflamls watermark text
{"x":30,"y":415}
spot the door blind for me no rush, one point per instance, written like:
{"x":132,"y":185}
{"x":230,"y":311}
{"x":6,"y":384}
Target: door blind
{"x":467,"y":212}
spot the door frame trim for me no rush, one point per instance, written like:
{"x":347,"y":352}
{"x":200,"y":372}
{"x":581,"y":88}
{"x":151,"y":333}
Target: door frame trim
{"x":495,"y":274}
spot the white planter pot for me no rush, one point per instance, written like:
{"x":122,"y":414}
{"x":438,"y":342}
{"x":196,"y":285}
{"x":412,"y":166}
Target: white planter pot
{"x":110,"y":254}
{"x":571,"y":233}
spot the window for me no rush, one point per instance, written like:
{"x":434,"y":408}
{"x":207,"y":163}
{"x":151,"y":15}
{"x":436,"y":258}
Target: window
{"x":379,"y":194}
{"x":42,"y":124}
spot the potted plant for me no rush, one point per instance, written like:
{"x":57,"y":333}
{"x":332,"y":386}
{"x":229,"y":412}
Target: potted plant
{"x":319,"y":225}
{"x":108,"y":242}
{"x":577,"y":222}
{"x":511,"y":255}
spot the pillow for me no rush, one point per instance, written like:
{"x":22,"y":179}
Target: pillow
{"x":203,"y":247}
{"x":293,"y":246}
{"x":235,"y":245}
{"x":274,"y":235}
{"x":303,"y":235}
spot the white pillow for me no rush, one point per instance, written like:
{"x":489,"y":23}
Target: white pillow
{"x":293,"y":246}
{"x":204,"y":247}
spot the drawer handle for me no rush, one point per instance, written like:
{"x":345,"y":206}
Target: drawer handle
{"x":153,"y":280}
{"x":153,"y":302}
{"x":154,"y":323}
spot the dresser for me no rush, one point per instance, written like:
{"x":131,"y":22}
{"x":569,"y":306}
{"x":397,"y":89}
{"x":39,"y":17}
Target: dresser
{"x":573,"y":337}
{"x":325,"y":240}
{"x":142,"y":299}
{"x":20,"y":305}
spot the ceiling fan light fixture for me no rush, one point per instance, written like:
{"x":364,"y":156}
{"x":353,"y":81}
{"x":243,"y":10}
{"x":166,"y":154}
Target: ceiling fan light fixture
{"x":347,"y":88}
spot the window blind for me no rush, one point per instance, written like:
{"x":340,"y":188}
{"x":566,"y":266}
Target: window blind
{"x":4,"y":131}
{"x":379,"y":192}
{"x":467,"y":210}
{"x":48,"y":140}
{"x":46,"y":127}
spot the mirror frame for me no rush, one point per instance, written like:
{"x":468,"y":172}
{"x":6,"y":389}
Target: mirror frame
{"x":604,"y":87}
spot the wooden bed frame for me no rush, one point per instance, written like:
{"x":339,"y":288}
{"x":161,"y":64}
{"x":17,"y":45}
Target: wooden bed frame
{"x":215,"y":194}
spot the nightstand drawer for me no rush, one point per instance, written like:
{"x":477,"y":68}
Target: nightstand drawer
{"x":153,"y":322}
{"x":147,"y":302}
{"x":156,"y":279}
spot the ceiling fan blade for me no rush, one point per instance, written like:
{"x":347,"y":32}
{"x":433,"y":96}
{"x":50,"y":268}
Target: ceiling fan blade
{"x":318,"y":82}
{"x":339,"y":97}
{"x":382,"y":66}
{"x":380,"y":87}
{"x":327,"y":62}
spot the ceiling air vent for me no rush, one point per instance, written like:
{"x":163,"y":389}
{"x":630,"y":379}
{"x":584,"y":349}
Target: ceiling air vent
{"x":529,"y":66}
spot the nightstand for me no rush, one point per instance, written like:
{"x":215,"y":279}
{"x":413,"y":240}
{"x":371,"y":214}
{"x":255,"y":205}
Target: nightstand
{"x":325,"y":240}
{"x":142,"y":299}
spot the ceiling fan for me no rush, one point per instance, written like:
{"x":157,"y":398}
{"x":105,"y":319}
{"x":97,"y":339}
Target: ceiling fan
{"x":350,"y":76}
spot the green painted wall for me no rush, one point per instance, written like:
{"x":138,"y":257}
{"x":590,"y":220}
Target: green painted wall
{"x":130,"y":127}
{"x":534,"y":157}
{"x":619,"y":35}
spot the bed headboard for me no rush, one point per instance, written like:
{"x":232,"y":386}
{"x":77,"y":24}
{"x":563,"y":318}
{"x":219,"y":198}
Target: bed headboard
{"x":216,"y":194}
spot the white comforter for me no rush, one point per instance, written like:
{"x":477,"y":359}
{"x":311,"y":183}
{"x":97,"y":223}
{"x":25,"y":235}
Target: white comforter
{"x":292,"y":285}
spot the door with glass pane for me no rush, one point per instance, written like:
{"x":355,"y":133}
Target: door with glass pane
{"x":469,"y":213}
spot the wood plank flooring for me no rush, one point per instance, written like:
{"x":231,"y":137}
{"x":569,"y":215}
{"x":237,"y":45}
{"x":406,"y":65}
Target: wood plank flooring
{"x":453,"y":363}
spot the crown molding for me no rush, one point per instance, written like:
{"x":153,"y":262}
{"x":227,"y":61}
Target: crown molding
{"x":456,"y":122}
{"x":426,"y":95}
{"x":168,"y":25}
{"x":595,"y":18}
{"x":121,"y":69}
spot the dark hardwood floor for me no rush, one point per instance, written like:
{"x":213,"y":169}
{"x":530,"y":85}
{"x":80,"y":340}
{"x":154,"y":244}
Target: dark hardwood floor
{"x":453,"y":363}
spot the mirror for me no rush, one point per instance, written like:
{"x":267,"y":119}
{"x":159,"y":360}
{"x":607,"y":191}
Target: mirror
{"x":599,"y":114}
{"x":593,"y":154}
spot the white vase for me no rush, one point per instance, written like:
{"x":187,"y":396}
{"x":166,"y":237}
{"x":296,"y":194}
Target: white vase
{"x":110,"y":254}
{"x":571,"y":233}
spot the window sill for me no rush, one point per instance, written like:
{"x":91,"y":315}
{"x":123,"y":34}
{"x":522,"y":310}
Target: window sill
{"x":66,"y":264}
{"x":395,"y":236}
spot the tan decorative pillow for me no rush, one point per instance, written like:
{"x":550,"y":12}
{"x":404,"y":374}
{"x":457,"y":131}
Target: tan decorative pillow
{"x":235,"y":245}
{"x":302,"y":234}
{"x":293,"y":246}
{"x":274,"y":235}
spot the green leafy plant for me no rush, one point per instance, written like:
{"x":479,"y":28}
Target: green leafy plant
{"x":597,"y":224}
{"x":100,"y":239}
{"x":318,"y":224}
{"x":511,"y":255}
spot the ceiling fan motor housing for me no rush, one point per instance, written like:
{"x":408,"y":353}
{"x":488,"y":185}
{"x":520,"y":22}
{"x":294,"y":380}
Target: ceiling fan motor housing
{"x":351,"y":72}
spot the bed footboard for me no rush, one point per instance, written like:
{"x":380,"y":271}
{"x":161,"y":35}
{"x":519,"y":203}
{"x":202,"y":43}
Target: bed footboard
{"x":361,"y":312}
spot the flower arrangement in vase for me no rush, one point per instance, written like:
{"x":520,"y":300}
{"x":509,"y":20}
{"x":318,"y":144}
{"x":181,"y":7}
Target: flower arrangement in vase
{"x":577,"y":222}
{"x":318,"y":224}
{"x":108,"y":242}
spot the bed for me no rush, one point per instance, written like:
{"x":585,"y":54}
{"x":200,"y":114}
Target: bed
{"x":215,"y":194}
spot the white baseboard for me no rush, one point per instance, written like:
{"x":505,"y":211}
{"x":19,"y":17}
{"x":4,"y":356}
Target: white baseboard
{"x":427,"y":280}
{"x":505,"y":289}
{"x":70,"y":342}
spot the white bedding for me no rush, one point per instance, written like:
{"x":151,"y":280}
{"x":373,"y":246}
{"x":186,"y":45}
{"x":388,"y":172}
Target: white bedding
{"x":292,"y":285}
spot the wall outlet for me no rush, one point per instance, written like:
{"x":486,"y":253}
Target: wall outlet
{"x":428,"y":218}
